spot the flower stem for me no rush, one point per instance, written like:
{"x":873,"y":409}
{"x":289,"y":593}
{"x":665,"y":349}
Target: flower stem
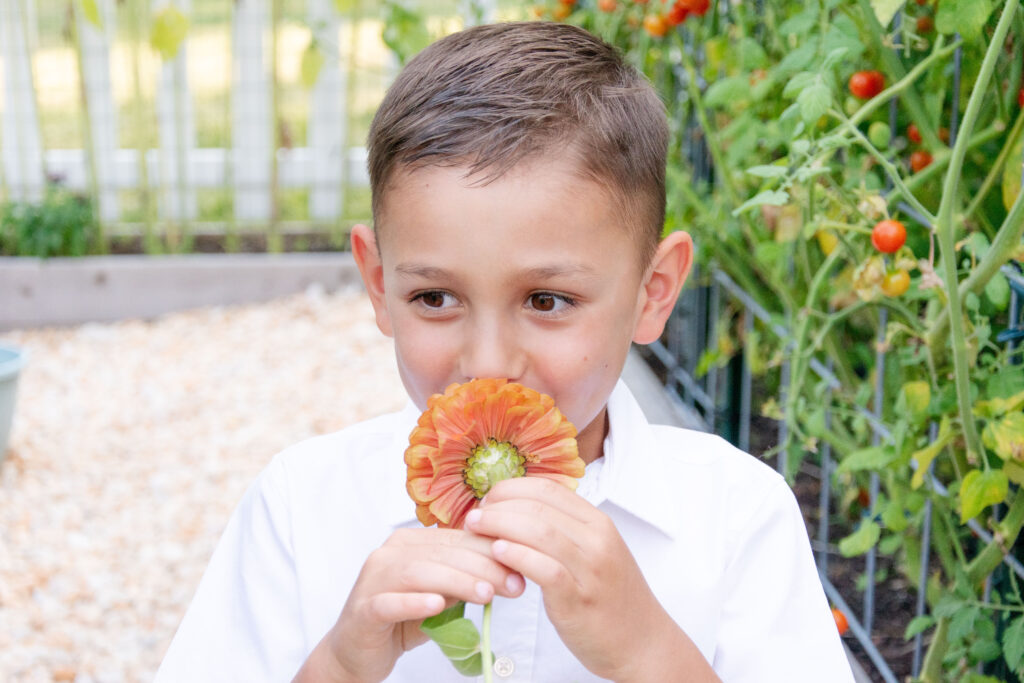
{"x":485,"y":645}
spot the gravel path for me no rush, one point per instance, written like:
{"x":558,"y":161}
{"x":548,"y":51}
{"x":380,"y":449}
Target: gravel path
{"x":133,"y":442}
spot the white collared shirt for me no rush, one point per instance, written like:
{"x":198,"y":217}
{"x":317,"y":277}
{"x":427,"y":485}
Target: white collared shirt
{"x":717,"y":533}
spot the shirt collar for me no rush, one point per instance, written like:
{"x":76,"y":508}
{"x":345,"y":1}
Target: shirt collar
{"x":631,"y":477}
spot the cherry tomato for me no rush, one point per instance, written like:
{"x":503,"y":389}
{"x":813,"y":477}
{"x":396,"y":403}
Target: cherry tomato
{"x":676,"y":15}
{"x":697,"y":7}
{"x":922,"y":2}
{"x":866,"y":84}
{"x":827,"y":240}
{"x":879,"y":134}
{"x":888,"y":236}
{"x":863,"y":497}
{"x":919,"y":160}
{"x":841,"y":623}
{"x":925,"y":24}
{"x":896,"y":283}
{"x":1020,"y":98}
{"x":606,"y":5}
{"x":914,"y":134}
{"x":656,"y":25}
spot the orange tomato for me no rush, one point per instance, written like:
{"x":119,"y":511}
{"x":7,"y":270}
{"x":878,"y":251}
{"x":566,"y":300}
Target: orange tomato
{"x":656,"y":25}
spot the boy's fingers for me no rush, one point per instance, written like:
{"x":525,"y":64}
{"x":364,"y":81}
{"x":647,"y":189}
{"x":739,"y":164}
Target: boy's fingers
{"x":551,"y":493}
{"x":417,"y":570}
{"x":386,"y":609}
{"x":542,"y":569}
{"x":532,"y":524}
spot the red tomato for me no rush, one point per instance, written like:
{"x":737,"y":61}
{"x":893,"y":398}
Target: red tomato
{"x":896,"y":283}
{"x":913,"y":133}
{"x":656,"y":25}
{"x":1020,"y":98}
{"x":606,"y":5}
{"x":866,"y":84}
{"x":697,"y":7}
{"x":920,"y":160}
{"x":925,"y":24}
{"x":888,"y":236}
{"x":841,"y":623}
{"x":676,"y":15}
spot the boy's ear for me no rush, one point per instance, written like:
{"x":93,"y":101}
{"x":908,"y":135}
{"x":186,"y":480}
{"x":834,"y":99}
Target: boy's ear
{"x":664,"y":281}
{"x":367,"y":257}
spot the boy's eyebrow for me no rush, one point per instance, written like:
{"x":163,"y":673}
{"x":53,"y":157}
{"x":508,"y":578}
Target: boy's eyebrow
{"x":537,"y":272}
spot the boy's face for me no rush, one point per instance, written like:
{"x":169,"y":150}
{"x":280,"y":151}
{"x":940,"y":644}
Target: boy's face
{"x":529,"y":278}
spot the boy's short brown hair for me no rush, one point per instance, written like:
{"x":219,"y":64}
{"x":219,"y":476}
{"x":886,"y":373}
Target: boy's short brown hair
{"x":492,"y":96}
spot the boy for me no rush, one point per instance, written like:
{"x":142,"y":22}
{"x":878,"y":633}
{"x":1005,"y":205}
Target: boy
{"x":518,"y":194}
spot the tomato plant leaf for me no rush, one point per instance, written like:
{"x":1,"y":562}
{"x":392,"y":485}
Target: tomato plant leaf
{"x":918,"y":625}
{"x":168,"y":31}
{"x":814,"y":101}
{"x":981,"y":489}
{"x":873,"y":458}
{"x":894,"y":516}
{"x":768,"y":171}
{"x":985,"y":650}
{"x":405,"y":30}
{"x":967,"y":17}
{"x":885,"y":10}
{"x":1012,"y":174}
{"x":997,"y":291}
{"x":1006,"y":436}
{"x":768,"y":197}
{"x":727,"y":91}
{"x":861,"y":540}
{"x":995,"y":407}
{"x":924,"y":457}
{"x":1013,"y":644}
{"x":915,"y":397}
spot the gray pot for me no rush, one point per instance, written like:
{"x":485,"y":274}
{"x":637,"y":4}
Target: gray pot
{"x":11,"y":362}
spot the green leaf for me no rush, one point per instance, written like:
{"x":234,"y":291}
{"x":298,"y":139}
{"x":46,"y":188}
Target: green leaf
{"x":834,"y":57}
{"x":405,"y":30}
{"x":962,"y":622}
{"x":470,"y":666}
{"x":770,"y":171}
{"x":798,"y":82}
{"x":1005,"y":383}
{"x":967,"y":17}
{"x":981,"y":489}
{"x":924,"y":457}
{"x":168,"y":31}
{"x":727,"y":91}
{"x":456,"y":611}
{"x":894,"y":517}
{"x":345,"y":6}
{"x":918,"y":625}
{"x":985,"y":650}
{"x":814,"y":101}
{"x":768,"y":197}
{"x":1013,"y":644}
{"x":861,"y":540}
{"x":800,"y":23}
{"x":1006,"y":436}
{"x":91,"y":11}
{"x":312,"y":62}
{"x":885,"y":10}
{"x":457,"y":637}
{"x":873,"y":458}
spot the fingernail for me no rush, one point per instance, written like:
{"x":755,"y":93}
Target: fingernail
{"x":499,"y":547}
{"x":473,"y":517}
{"x":484,"y":590}
{"x":514,"y":583}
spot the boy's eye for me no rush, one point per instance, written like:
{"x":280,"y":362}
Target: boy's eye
{"x":432,"y":299}
{"x":546,"y":302}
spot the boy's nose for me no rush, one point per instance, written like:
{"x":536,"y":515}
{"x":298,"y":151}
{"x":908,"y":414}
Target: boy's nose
{"x":492,"y":350}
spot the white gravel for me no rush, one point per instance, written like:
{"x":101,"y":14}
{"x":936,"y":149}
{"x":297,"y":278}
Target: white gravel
{"x":131,"y":445}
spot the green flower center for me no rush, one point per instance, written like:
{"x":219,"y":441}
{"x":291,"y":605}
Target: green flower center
{"x":490,"y":463}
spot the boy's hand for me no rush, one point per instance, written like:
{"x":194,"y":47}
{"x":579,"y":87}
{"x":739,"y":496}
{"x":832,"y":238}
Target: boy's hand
{"x":412,"y":576}
{"x":594,"y":592}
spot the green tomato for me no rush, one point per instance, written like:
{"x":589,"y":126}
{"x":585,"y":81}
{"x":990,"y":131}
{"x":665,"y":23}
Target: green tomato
{"x":851,"y":105}
{"x":879,"y":134}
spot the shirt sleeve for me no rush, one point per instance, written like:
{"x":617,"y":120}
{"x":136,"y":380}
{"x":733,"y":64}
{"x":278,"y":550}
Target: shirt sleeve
{"x":776,"y":624}
{"x":244,"y":621}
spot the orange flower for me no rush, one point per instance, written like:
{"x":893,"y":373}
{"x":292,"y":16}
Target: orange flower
{"x":479,"y":433}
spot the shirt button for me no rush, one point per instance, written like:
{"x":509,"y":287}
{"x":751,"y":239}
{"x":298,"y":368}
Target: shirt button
{"x":503,"y":666}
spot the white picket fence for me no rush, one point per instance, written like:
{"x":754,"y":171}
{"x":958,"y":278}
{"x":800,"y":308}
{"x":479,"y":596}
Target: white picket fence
{"x":250,"y":168}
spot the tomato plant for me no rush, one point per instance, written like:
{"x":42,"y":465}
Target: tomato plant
{"x":913,"y":134}
{"x":866,"y":84}
{"x":888,"y":236}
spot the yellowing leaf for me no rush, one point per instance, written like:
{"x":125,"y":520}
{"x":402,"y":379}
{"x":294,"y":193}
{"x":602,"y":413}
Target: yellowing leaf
{"x":981,"y":489}
{"x":917,"y":396}
{"x":1014,"y":472}
{"x":789,"y":223}
{"x":874,"y":458}
{"x":1012,"y":173}
{"x":312,"y":62}
{"x":91,"y":11}
{"x":924,"y":457}
{"x":885,"y":10}
{"x":1006,"y":436}
{"x":998,"y":406}
{"x":168,"y":31}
